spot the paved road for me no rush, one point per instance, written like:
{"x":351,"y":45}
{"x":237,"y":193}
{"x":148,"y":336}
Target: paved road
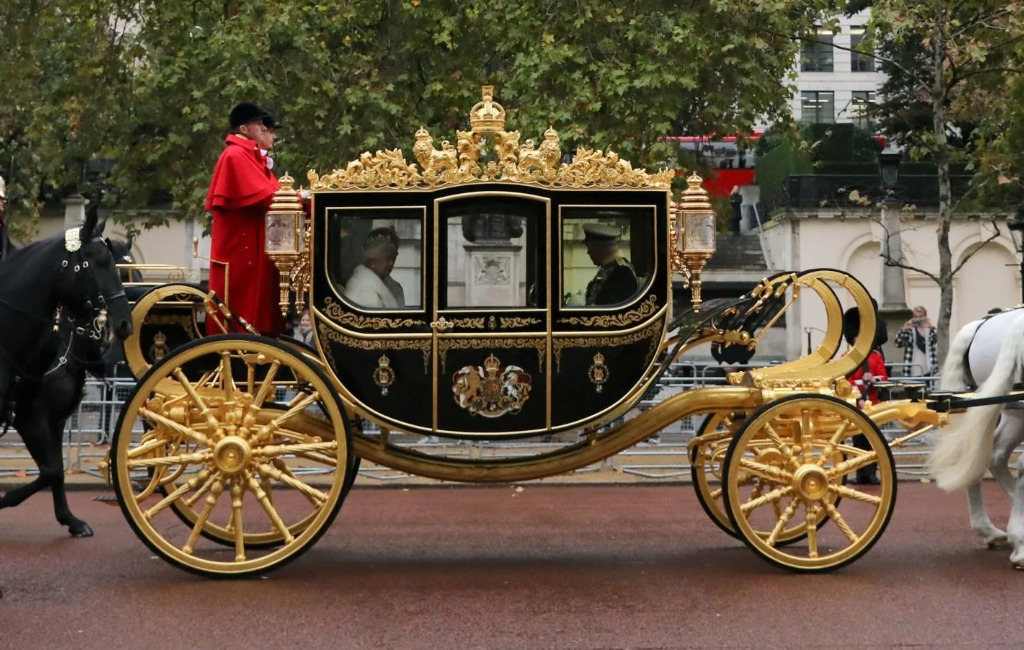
{"x":547,"y":567}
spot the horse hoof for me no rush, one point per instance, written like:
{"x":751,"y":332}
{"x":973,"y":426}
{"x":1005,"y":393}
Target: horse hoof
{"x":81,"y":531}
{"x":997,"y":543}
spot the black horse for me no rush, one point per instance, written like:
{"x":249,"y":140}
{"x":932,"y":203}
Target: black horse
{"x":42,"y":407}
{"x":63,"y":298}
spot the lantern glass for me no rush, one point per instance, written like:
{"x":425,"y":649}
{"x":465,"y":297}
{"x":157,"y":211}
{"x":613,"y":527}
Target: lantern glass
{"x":283,"y":233}
{"x":700,"y":232}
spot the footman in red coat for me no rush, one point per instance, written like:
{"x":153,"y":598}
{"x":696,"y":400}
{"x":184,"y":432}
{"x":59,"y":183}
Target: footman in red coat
{"x":241,"y":191}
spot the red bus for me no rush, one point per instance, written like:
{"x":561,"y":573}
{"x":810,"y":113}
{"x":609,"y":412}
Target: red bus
{"x":731,"y":160}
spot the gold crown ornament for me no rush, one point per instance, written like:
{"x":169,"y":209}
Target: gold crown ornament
{"x":487,"y":116}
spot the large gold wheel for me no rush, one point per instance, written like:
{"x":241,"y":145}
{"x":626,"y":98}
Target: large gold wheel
{"x":800,"y":449}
{"x":231,"y":438}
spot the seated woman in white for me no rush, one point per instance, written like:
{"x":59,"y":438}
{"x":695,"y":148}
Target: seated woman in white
{"x":371,"y":285}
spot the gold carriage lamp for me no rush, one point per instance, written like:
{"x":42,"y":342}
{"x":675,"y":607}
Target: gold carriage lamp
{"x":286,"y":237}
{"x":696,"y":221}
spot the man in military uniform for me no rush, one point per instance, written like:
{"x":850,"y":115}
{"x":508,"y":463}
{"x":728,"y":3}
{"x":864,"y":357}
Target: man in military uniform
{"x":616,"y":281}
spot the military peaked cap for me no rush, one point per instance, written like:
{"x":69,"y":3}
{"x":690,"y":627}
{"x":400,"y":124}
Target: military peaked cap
{"x":600,"y":233}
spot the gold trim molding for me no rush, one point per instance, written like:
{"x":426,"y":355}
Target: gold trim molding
{"x":647,"y":308}
{"x":385,"y":345}
{"x":445,"y":345}
{"x":611,"y":341}
{"x":340,"y":315}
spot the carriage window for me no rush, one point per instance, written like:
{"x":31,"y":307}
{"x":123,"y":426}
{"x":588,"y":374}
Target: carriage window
{"x":607,"y":254}
{"x":375,"y":256}
{"x":494,"y":248}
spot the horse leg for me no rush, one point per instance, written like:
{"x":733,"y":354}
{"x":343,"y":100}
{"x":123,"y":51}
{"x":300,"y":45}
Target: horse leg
{"x":42,"y":436}
{"x":1015,"y":529}
{"x":1008,"y":435}
{"x":980,"y":523}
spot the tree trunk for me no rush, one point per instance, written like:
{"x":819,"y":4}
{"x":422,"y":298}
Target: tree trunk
{"x":940,"y":152}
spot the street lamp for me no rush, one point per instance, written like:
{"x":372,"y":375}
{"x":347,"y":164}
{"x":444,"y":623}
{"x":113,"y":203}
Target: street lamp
{"x":889,"y":168}
{"x":1016,"y":226}
{"x":893,"y":310}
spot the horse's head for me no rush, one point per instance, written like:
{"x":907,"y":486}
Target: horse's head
{"x":91,"y":285}
{"x":122,"y":252}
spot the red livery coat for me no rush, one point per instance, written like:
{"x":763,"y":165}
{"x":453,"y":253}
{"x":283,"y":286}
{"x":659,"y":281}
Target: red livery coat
{"x":875,"y":366}
{"x":241,"y":191}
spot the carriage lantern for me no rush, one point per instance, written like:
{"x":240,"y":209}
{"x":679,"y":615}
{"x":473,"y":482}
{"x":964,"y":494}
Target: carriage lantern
{"x":286,"y":239}
{"x":695,"y":219}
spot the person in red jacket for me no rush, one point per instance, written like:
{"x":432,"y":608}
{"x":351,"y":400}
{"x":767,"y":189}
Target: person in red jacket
{"x":864,"y":379}
{"x":241,"y":191}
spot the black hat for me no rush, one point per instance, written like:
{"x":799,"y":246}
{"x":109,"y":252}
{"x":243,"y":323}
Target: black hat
{"x":599,"y":233}
{"x":270,"y":121}
{"x":244,"y":113}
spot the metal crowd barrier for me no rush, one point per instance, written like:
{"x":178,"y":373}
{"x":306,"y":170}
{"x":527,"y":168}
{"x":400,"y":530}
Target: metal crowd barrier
{"x":660,"y":457}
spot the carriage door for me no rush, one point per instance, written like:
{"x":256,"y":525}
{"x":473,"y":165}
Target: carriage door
{"x":490,"y":319}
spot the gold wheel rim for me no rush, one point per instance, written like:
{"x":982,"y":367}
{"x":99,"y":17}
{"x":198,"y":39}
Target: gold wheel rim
{"x":233,"y":467}
{"x":813,"y":435}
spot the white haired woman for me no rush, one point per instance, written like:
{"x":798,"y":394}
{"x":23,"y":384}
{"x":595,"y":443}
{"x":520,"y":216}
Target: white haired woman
{"x":371,"y":285}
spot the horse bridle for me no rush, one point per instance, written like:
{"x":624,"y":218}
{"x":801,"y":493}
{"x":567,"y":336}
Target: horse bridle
{"x":73,"y":245}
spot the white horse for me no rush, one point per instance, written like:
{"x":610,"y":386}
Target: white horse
{"x":989,"y":351}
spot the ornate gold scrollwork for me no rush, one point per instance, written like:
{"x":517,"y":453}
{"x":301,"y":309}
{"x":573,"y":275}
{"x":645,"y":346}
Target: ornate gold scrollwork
{"x":340,"y":315}
{"x":518,"y":163}
{"x":598,"y":372}
{"x":447,"y":344}
{"x":465,"y":323}
{"x":384,"y":344}
{"x":518,"y":321}
{"x":383,"y":374}
{"x":645,"y":309}
{"x":648,"y":333}
{"x":491,"y":390}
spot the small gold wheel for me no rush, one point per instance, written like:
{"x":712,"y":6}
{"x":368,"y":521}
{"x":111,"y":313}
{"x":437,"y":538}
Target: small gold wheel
{"x":800,"y":449}
{"x":232,"y":456}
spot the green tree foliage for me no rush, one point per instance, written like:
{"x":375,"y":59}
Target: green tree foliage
{"x":953,"y":66}
{"x":64,"y":96}
{"x":152,"y":85}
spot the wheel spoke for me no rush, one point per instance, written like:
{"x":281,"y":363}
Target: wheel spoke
{"x":188,"y":432}
{"x":211,"y":501}
{"x":204,"y":410}
{"x":264,"y":499}
{"x":237,"y":490}
{"x":275,"y":451}
{"x":227,"y":379}
{"x":268,"y":430}
{"x":811,"y":520}
{"x":766,"y":499}
{"x":837,"y":518}
{"x":848,"y":492}
{"x":265,"y":388}
{"x":186,"y":487}
{"x":316,"y":495}
{"x":195,"y":458}
{"x":780,"y":525}
{"x":770,"y":473}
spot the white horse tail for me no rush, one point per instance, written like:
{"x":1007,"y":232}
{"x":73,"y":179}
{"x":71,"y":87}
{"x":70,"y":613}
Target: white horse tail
{"x":962,"y":455}
{"x":954,"y":375}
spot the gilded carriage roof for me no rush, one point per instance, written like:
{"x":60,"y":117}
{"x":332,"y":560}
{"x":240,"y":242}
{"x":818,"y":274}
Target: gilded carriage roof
{"x":514,"y":162}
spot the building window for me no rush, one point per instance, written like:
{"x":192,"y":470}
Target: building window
{"x":860,"y":109}
{"x":818,"y":106}
{"x":817,"y":53}
{"x":859,"y":62}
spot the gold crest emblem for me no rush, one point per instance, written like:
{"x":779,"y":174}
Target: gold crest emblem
{"x":598,"y":372}
{"x":159,"y":348}
{"x":491,"y":390}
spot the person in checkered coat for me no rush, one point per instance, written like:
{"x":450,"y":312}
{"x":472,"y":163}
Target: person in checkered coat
{"x":919,"y":340}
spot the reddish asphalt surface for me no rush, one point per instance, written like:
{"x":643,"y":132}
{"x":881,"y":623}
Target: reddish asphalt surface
{"x":548,"y":567}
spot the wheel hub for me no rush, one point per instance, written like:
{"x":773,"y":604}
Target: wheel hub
{"x":232,"y":454}
{"x":810,"y":482}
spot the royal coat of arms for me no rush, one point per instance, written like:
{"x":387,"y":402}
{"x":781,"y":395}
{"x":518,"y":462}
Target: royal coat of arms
{"x":491,"y":390}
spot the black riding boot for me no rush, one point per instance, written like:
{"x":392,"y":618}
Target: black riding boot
{"x":865,"y":475}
